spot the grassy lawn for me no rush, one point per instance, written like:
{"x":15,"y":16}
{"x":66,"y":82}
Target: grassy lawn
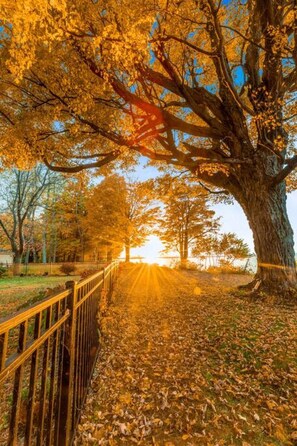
{"x":17,"y":291}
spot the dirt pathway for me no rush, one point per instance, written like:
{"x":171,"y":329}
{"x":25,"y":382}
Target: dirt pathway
{"x":184,"y":363}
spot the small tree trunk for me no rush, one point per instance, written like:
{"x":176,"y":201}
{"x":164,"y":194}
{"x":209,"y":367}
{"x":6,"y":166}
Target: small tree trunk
{"x":181,"y":250}
{"x":109,"y":253}
{"x":273,"y":238}
{"x":186,"y":247}
{"x":44,"y":247}
{"x":34,"y":255}
{"x":127,"y":251}
{"x":82,"y":250}
{"x":17,"y":261}
{"x":27,"y":256}
{"x":54,"y":252}
{"x":183,"y":257}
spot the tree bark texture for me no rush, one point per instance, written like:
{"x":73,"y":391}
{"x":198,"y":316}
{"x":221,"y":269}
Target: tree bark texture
{"x":17,"y":261}
{"x":266,"y":212}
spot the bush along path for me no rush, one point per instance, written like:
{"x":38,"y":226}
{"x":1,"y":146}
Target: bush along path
{"x":185,"y":363}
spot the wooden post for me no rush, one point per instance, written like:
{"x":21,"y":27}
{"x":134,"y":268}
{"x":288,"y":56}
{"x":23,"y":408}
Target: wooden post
{"x":103,"y":282}
{"x":65,"y":421}
{"x":110,"y":283}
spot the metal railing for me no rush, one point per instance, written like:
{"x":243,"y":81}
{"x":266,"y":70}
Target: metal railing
{"x":47,"y":356}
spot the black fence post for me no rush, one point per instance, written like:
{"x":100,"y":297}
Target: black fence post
{"x":65,"y":421}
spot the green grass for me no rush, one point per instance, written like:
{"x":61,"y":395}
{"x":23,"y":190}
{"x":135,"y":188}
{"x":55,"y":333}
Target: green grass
{"x":23,"y":282}
{"x":16,"y":291}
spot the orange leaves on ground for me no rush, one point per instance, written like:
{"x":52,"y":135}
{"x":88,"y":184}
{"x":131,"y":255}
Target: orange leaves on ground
{"x":179,"y":369}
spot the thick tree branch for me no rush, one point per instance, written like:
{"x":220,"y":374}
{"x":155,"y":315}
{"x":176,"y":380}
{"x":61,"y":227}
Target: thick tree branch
{"x":6,"y":117}
{"x":187,"y":43}
{"x":214,"y":192}
{"x":78,"y":168}
{"x":291,"y":164}
{"x":203,"y":98}
{"x":244,"y":37}
{"x":5,"y":230}
{"x":222,"y":64}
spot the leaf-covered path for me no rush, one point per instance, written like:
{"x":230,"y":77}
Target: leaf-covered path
{"x":184,"y":363}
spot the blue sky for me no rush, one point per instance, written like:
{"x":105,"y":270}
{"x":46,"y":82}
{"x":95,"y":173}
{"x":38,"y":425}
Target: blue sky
{"x":234,"y":220}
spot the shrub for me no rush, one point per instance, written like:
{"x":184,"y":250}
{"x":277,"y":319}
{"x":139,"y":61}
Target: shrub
{"x":187,"y":265}
{"x":67,"y":268}
{"x":42,"y":294}
{"x":227,"y":267}
{"x":87,"y":273}
{"x":3,"y":270}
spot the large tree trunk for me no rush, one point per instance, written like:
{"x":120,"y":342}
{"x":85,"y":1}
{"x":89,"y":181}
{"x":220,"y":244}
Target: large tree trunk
{"x":266,"y":211}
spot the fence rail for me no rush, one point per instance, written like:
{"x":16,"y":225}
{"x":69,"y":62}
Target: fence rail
{"x":53,"y":268}
{"x":47,"y":356}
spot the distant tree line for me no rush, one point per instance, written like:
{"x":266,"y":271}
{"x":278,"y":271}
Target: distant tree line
{"x":188,"y":224}
{"x":47,"y":217}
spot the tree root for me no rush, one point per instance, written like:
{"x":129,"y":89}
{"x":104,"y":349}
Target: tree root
{"x":280,"y":294}
{"x":252,"y":286}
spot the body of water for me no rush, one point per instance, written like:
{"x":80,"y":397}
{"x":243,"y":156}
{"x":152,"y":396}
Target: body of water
{"x":203,"y":262}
